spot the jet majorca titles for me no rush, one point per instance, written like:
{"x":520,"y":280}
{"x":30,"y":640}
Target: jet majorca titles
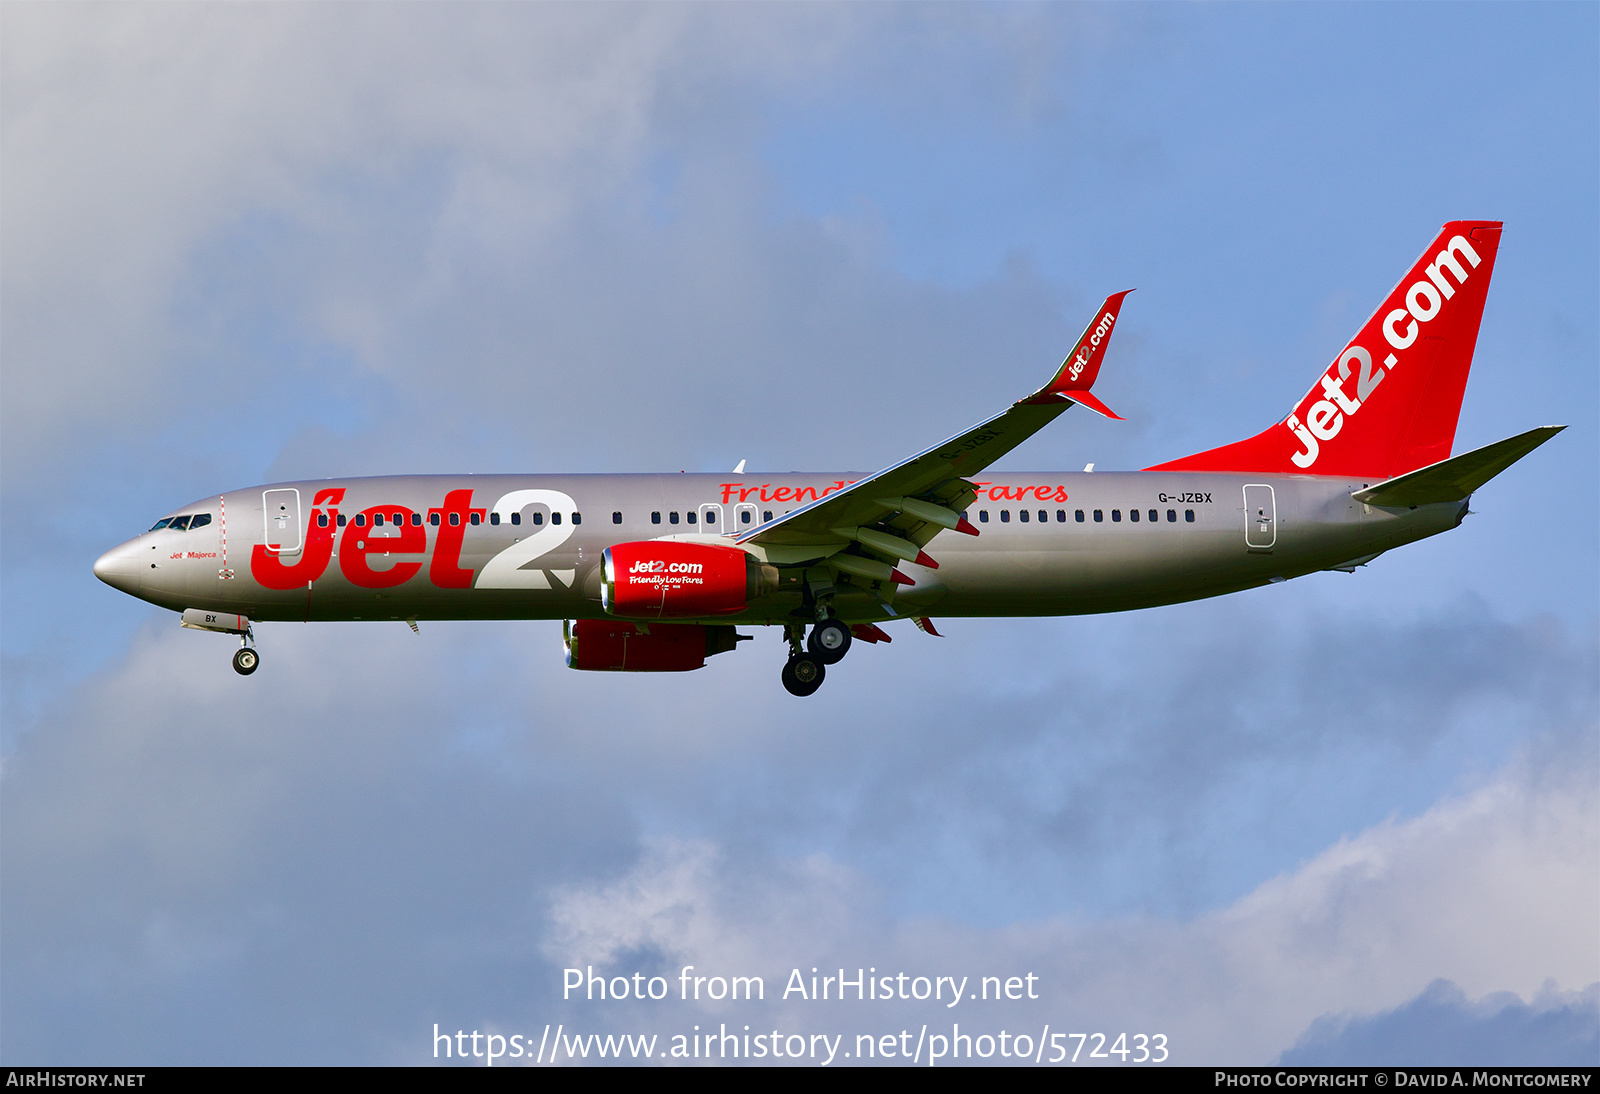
{"x":654,"y":572}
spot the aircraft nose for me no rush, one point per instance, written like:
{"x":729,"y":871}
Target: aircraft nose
{"x":119,"y":568}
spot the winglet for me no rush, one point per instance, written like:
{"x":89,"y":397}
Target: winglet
{"x":926,"y":624}
{"x":1077,"y":373}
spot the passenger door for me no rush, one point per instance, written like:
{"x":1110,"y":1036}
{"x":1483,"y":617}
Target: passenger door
{"x":281,"y":511}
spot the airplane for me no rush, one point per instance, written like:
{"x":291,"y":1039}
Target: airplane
{"x":654,"y":572}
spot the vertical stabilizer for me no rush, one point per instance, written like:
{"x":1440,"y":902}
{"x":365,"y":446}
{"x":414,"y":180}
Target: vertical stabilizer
{"x":1389,"y":402}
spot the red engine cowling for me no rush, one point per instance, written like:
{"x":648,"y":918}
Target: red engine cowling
{"x":665,"y":579}
{"x":611,"y":646}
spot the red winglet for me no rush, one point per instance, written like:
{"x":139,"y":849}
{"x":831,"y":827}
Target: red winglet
{"x":926,"y":625}
{"x":1077,"y":373}
{"x":965,"y":527}
{"x":867,"y":632}
{"x":1085,"y":399}
{"x":899,"y":578}
{"x":922,"y":559}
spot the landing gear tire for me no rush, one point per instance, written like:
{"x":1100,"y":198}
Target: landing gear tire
{"x":245,"y":661}
{"x":803,"y":674}
{"x":829,"y":641}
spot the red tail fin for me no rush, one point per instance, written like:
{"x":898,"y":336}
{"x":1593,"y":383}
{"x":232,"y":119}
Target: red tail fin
{"x":1389,"y":402}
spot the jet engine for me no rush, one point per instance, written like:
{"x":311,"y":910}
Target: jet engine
{"x":610,"y":646}
{"x":667,"y":579}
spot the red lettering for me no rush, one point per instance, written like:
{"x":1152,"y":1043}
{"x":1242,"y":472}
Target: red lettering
{"x":838,"y":484}
{"x":764,"y":488}
{"x":444,"y":570}
{"x":357,"y":543}
{"x":1000,"y":493}
{"x":267,"y":566}
{"x":1061,"y":493}
{"x":1043,"y":492}
{"x":746,"y":491}
{"x":782,"y":493}
{"x":727,"y":491}
{"x":800,"y":494}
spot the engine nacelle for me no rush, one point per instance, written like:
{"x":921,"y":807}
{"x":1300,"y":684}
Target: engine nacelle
{"x":607,"y":645}
{"x":667,"y":579}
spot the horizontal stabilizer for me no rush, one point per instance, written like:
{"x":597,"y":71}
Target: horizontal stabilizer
{"x":1456,"y":478}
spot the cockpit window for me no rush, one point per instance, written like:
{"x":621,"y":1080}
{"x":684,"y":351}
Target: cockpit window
{"x":200,"y":521}
{"x":162,"y":523}
{"x":179,"y":524}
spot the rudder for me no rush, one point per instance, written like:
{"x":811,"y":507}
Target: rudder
{"x":1390,"y":401}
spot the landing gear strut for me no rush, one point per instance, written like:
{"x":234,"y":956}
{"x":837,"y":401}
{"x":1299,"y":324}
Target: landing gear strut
{"x":804,"y":672}
{"x":245,"y":658}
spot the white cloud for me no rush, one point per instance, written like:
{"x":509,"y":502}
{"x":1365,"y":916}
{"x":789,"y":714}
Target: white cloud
{"x":1495,"y":890}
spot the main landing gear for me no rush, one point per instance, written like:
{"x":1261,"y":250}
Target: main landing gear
{"x":808,"y":663}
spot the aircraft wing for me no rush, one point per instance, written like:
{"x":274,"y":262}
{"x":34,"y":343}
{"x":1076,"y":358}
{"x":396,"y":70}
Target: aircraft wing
{"x":896,"y":511}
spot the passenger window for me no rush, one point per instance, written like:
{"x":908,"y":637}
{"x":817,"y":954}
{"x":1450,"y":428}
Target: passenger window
{"x":179,"y":524}
{"x":672,"y":517}
{"x":983,"y":516}
{"x":1154,"y":516}
{"x":616,"y":518}
{"x":377,"y":520}
{"x":1116,"y":515}
{"x":1022,"y":515}
{"x":655,"y":518}
{"x":555,"y":518}
{"x":767,"y":515}
{"x":200,"y":521}
{"x":1172,"y":516}
{"x":494,"y":518}
{"x":538,"y":519}
{"x":455,"y":520}
{"x":397,"y":518}
{"x":433,"y":519}
{"x":1005,"y":516}
{"x":1043,"y":516}
{"x":322,"y":520}
{"x":477,"y":519}
{"x":1077,"y":515}
{"x":1188,"y":515}
{"x":160,"y":524}
{"x":361,"y":520}
{"x":1099,"y":516}
{"x":744,"y":516}
{"x":690,"y":516}
{"x":1133,"y":515}
{"x":343,"y":520}
{"x":516,"y":518}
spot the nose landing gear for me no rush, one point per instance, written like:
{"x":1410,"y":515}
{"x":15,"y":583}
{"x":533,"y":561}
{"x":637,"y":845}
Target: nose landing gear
{"x":245,"y":658}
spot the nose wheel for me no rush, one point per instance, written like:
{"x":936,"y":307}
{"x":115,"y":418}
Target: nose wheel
{"x":245,"y":658}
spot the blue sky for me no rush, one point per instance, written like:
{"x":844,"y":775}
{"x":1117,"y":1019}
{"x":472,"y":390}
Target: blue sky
{"x":251,"y":243}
